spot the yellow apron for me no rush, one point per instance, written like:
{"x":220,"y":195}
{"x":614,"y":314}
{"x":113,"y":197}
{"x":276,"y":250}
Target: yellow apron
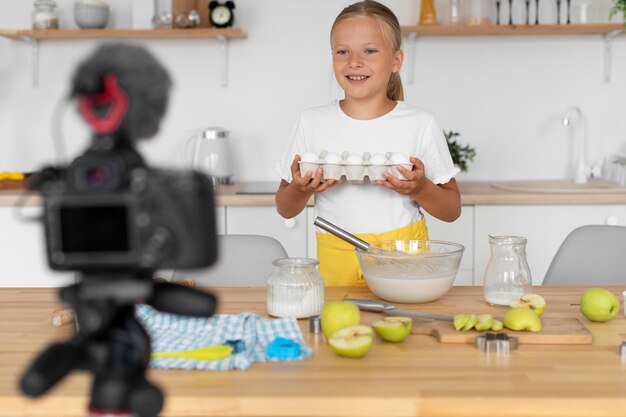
{"x":338,"y":262}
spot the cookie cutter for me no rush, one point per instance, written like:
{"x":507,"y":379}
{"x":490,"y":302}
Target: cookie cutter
{"x":500,"y":343}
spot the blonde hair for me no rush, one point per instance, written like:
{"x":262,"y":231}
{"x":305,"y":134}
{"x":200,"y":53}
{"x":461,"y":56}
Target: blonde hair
{"x":391,"y":30}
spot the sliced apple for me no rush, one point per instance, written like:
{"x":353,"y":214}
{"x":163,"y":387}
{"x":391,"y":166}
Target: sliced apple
{"x":393,"y":328}
{"x":460,"y":320}
{"x":485,"y":321}
{"x":497,"y":325}
{"x":471,"y":322}
{"x":353,"y":341}
{"x":534,"y":301}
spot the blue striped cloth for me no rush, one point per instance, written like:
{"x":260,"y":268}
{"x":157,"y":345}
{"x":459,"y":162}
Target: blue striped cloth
{"x":172,"y":333}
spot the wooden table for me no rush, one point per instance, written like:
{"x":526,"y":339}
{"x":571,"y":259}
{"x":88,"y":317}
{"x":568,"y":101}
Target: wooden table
{"x":419,"y":377}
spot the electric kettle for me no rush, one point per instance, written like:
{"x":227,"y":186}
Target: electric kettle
{"x":208,"y":151}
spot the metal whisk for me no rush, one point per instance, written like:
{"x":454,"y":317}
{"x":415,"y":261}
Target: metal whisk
{"x":359,"y":243}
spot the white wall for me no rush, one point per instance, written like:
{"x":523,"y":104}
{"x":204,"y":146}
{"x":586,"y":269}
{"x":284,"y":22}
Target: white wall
{"x":505,"y":95}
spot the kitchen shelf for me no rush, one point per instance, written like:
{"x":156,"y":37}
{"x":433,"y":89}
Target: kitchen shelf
{"x":608,"y":31}
{"x":33,"y":37}
{"x":69,"y":34}
{"x":524,"y":30}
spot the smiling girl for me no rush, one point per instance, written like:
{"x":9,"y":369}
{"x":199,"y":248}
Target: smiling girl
{"x":372,"y":117}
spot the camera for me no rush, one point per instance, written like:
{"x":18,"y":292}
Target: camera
{"x":115,"y":220}
{"x":107,"y":210}
{"x":101,"y":215}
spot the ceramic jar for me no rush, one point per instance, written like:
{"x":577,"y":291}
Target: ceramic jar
{"x":45,"y":15}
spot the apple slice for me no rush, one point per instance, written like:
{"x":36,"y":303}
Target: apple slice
{"x":353,"y":341}
{"x":460,"y":320}
{"x":471,"y":322}
{"x":497,"y":325}
{"x":485,"y":322}
{"x":534,"y":301}
{"x":393,"y":328}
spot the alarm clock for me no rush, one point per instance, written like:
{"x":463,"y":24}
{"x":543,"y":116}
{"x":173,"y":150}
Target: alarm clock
{"x":221,"y":14}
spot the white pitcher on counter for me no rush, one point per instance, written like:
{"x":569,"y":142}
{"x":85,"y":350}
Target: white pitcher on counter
{"x":208,"y":150}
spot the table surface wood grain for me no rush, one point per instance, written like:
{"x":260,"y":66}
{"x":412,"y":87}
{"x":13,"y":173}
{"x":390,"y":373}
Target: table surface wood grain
{"x":418,"y":377}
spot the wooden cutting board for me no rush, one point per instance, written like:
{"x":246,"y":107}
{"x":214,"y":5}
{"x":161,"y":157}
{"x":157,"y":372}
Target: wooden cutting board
{"x":566,"y":331}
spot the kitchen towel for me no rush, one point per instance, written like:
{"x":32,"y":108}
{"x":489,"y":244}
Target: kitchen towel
{"x":170,"y":333}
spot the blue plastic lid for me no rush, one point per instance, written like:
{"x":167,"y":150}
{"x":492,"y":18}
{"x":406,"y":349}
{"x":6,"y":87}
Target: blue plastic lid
{"x":282,"y":348}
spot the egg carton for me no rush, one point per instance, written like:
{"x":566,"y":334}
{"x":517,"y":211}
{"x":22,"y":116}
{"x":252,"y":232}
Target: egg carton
{"x":355,"y":168}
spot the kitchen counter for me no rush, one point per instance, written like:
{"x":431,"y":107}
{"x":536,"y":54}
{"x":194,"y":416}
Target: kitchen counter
{"x":418,"y":377}
{"x":472,"y":193}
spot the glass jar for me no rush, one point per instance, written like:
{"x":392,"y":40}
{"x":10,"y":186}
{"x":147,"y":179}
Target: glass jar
{"x":507,"y":276}
{"x":45,"y":15}
{"x":295,"y":288}
{"x":162,"y":18}
{"x":478,"y":12}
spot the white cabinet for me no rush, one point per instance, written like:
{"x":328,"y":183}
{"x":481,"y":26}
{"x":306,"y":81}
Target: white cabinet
{"x":292,"y":233}
{"x":545,"y":227}
{"x":460,"y":231}
{"x":220,"y":220}
{"x":311,"y":230}
{"x":23,"y":261}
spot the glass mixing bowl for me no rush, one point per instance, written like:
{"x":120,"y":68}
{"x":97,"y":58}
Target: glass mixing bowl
{"x":410,"y":271}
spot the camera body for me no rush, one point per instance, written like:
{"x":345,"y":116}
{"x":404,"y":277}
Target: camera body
{"x":108,"y":211}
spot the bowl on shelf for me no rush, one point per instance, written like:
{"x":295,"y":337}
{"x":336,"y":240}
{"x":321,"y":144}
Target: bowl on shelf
{"x":410,"y":271}
{"x":91,"y":14}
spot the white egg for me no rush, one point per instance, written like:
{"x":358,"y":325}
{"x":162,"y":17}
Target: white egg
{"x":309,"y":157}
{"x":354,"y":160}
{"x":399,"y":158}
{"x":378,"y":159}
{"x":332,"y":158}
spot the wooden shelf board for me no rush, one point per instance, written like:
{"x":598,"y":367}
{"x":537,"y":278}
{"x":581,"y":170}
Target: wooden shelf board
{"x":463,"y":30}
{"x":68,"y":34}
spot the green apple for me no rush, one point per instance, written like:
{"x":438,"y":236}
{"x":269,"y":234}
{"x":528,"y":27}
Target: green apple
{"x":337,"y":315}
{"x":533,"y":301}
{"x":485,"y":322}
{"x":599,"y":304}
{"x":471,"y":322}
{"x":522,"y":318}
{"x":460,"y":320}
{"x":353,"y":341}
{"x":393,"y":328}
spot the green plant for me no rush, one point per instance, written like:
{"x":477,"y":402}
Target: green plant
{"x":618,"y":6}
{"x":461,"y":155}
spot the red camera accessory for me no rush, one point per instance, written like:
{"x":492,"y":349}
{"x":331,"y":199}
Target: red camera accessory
{"x":112,"y":99}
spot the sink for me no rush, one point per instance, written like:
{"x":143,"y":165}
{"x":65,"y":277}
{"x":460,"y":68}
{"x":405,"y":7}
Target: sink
{"x":558,"y":186}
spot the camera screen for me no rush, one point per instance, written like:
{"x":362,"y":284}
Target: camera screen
{"x":94,"y":229}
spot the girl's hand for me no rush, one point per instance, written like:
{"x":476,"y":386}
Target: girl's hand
{"x":309,"y":182}
{"x":415,"y":179}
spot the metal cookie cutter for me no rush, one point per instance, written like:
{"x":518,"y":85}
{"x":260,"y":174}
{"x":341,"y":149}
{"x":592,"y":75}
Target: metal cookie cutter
{"x":500,"y":343}
{"x":622,"y":350}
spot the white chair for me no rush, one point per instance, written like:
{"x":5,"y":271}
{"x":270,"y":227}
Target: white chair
{"x":590,"y":255}
{"x":243,"y":261}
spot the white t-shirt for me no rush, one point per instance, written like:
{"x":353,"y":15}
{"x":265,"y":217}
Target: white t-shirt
{"x":369,"y":208}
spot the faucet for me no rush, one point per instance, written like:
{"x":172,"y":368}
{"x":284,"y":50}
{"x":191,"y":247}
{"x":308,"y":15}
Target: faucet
{"x":582,"y":170}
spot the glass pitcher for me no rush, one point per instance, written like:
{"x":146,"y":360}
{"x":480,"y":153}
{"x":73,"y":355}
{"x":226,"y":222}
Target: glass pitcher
{"x":507,"y":276}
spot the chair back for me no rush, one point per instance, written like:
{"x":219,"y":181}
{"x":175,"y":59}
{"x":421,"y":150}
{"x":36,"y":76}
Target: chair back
{"x":590,"y":255}
{"x":243,"y":261}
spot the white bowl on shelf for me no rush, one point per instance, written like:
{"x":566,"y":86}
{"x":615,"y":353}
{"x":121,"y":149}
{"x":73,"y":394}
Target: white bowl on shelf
{"x":91,"y":14}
